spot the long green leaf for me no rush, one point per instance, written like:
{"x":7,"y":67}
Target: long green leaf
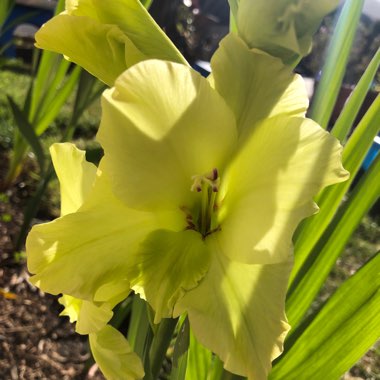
{"x":140,"y":334}
{"x":138,"y":326}
{"x":59,"y":100}
{"x":329,"y":200}
{"x":361,"y":140}
{"x":27,"y":132}
{"x":5,"y":8}
{"x":89,"y":89}
{"x":355,"y":101}
{"x":181,"y":351}
{"x":160,"y":344}
{"x":121,"y":312}
{"x":199,"y":360}
{"x":332,"y":243}
{"x":46,"y":72}
{"x":336,"y":62}
{"x":32,"y":206}
{"x":344,"y":329}
{"x":54,"y":84}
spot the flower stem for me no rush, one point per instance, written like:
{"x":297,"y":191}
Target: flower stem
{"x":160,"y":344}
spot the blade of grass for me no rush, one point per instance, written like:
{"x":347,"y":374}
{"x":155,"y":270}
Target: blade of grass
{"x":20,"y":148}
{"x":332,"y":243}
{"x":58,"y":77}
{"x":361,"y":140}
{"x":33,"y":205}
{"x":59,"y":100}
{"x":350,"y":111}
{"x":309,"y":232}
{"x":344,"y":329}
{"x":27,"y":132}
{"x":89,"y":89}
{"x":45,"y":72}
{"x":336,"y":63}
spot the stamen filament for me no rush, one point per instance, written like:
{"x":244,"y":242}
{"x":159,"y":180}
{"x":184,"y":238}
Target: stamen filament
{"x":208,"y":185}
{"x":204,"y":208}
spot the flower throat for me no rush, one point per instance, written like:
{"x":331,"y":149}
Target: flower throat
{"x":208,"y":186}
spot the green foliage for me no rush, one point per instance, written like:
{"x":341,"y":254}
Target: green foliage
{"x":6,"y":218}
{"x":335,"y":63}
{"x":19,"y":256}
{"x":328,"y":342}
{"x":340,"y":333}
{"x":5,"y":8}
{"x":11,"y":84}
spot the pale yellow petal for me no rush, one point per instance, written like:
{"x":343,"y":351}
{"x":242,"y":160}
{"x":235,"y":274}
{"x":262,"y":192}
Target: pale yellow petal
{"x":76,"y":176}
{"x":255,"y":85}
{"x":162,"y":124}
{"x":83,"y":254}
{"x":169,"y":264}
{"x":89,"y":317}
{"x":102,"y":49}
{"x":269,"y":187}
{"x":237,"y":311}
{"x":114,"y":355}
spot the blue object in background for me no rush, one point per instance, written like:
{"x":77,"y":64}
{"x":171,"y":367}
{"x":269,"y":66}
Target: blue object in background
{"x":372,"y":153}
{"x":38,"y":17}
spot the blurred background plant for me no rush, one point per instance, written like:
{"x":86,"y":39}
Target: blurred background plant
{"x":44,"y":99}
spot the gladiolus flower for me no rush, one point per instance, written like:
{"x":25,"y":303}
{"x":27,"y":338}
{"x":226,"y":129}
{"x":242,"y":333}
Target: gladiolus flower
{"x":195,"y":201}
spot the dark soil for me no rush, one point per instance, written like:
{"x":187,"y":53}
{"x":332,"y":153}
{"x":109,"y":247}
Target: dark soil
{"x":34,"y":342}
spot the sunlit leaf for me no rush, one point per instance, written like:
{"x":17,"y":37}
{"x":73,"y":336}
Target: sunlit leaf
{"x":336,"y":62}
{"x":344,"y":329}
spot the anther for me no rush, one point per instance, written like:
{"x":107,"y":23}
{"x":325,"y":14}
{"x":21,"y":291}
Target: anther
{"x":213,"y":176}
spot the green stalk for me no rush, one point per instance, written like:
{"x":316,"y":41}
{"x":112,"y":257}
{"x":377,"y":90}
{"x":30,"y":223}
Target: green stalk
{"x":160,"y":344}
{"x":121,"y":312}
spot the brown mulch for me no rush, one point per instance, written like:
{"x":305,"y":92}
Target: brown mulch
{"x":34,"y":342}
